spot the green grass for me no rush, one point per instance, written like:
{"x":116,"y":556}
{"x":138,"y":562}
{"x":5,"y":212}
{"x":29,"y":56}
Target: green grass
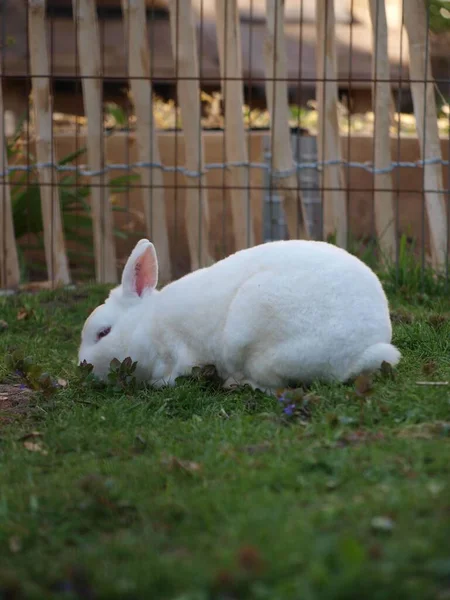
{"x":191,"y":493}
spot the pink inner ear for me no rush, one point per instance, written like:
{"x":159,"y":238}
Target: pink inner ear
{"x":146,"y":271}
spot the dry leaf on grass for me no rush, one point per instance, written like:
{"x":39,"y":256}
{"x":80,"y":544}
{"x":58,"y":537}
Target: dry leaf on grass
{"x":257,"y":448}
{"x":375,"y":551}
{"x":15,"y":544}
{"x":249,"y":559}
{"x":363,"y":386}
{"x":35,"y":447}
{"x":24,"y":314}
{"x":3,"y":325}
{"x":429,"y":367}
{"x":188,"y":466}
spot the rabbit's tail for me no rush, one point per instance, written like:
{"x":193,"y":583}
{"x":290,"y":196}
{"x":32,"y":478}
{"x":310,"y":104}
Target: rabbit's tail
{"x":373,"y":357}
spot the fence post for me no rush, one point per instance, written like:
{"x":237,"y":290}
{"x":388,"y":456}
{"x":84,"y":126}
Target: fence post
{"x":85,"y":13}
{"x":135,"y":24}
{"x":382,"y":98}
{"x":415,"y":20}
{"x":329,"y":142}
{"x":184,"y":48}
{"x":55,"y":251}
{"x":277,"y":100}
{"x":9,"y":262}
{"x":229,"y":43}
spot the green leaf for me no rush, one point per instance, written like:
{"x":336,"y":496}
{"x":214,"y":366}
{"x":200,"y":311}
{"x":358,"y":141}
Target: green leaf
{"x":118,"y":114}
{"x":72,"y":156}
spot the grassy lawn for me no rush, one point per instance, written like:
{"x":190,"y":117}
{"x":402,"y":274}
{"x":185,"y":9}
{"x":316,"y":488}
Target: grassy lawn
{"x":190,"y":493}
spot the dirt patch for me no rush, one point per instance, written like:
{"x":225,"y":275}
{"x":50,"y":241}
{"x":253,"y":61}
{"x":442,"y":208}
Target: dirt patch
{"x":14,"y":400}
{"x":355,"y":438}
{"x":402,"y":316}
{"x":438,"y":320}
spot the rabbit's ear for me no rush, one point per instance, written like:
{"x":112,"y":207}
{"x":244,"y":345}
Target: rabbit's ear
{"x":141,"y":271}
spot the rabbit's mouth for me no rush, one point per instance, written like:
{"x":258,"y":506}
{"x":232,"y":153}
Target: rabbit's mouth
{"x":100,"y":364}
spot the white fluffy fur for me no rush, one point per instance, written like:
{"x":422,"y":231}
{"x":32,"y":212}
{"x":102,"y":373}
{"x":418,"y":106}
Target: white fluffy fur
{"x":275,"y":315}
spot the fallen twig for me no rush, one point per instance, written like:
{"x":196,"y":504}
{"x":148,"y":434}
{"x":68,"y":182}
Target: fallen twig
{"x":86,"y":402}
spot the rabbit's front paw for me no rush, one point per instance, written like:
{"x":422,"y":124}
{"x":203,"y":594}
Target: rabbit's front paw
{"x":237,"y":382}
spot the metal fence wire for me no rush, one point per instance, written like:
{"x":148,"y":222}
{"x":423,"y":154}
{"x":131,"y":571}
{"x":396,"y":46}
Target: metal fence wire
{"x":212,"y":125}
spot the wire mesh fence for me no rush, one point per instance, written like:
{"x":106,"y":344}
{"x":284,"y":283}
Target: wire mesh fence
{"x":211,"y":125}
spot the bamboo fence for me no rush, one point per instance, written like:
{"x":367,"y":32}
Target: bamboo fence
{"x":184,"y":45}
{"x":382,"y":98}
{"x":283,"y":169}
{"x":328,"y":139}
{"x":424,"y":101}
{"x":139,"y":59}
{"x":229,"y":42}
{"x":55,"y":251}
{"x":277,"y":100}
{"x":9,"y":261}
{"x":89,"y":52}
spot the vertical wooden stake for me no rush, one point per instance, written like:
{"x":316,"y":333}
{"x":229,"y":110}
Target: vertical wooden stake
{"x":277,"y":100}
{"x":55,"y":251}
{"x":229,"y":41}
{"x":328,"y":141}
{"x":9,"y":262}
{"x":427,"y":127}
{"x":85,"y":13}
{"x":135,"y":22}
{"x":184,"y":47}
{"x":384,"y":200}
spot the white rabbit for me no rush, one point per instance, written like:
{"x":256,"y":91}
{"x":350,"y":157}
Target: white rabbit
{"x":272,"y":316}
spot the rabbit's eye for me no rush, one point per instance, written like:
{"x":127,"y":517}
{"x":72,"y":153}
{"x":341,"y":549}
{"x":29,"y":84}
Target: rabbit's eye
{"x":103,"y":333}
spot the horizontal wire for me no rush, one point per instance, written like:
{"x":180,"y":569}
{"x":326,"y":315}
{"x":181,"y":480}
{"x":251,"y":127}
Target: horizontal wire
{"x":214,"y":78}
{"x":277,"y":173}
{"x":302,"y":187}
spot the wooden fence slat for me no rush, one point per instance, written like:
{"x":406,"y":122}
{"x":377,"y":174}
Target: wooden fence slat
{"x":184,"y":47}
{"x":382,"y":97}
{"x":55,"y":249}
{"x":328,"y":138}
{"x":85,"y":14}
{"x":230,"y":57}
{"x":9,"y":261}
{"x":135,"y":22}
{"x":427,"y":127}
{"x":277,"y":100}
